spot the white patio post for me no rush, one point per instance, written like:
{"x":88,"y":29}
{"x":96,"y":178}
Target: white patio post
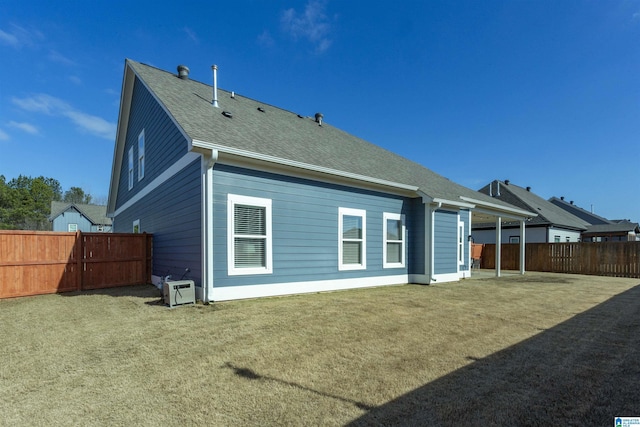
{"x":522,"y":246}
{"x":498,"y":244}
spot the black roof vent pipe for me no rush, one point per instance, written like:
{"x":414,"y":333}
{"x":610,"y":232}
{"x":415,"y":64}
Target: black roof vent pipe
{"x":319,"y":118}
{"x":183,"y":72}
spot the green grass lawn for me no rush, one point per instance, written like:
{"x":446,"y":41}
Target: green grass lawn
{"x":539,"y":349}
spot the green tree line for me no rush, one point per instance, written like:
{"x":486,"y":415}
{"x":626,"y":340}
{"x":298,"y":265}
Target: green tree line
{"x":25,"y":202}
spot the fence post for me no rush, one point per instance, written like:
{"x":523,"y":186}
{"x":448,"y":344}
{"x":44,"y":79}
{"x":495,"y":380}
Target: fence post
{"x":79,"y":255}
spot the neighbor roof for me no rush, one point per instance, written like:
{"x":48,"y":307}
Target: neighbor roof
{"x":618,"y":227}
{"x":97,"y":214}
{"x":548,"y":213}
{"x":573,"y":209}
{"x":262,"y":129}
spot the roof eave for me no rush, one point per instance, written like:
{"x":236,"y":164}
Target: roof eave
{"x":495,"y":209}
{"x":229,"y":154}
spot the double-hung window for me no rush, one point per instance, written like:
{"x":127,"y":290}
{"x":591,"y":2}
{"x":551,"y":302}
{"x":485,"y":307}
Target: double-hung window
{"x":461,"y":240}
{"x":130,"y":168}
{"x":352,"y":248}
{"x":141,"y":155}
{"x":394,"y":240}
{"x":249,"y":235}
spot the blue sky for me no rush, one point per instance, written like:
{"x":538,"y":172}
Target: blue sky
{"x":543,"y":93}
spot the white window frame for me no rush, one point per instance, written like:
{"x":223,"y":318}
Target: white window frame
{"x":461,"y":260}
{"x":342,"y":212}
{"x":136,"y":227}
{"x":141,"y":155}
{"x":72,"y":228}
{"x":130,"y":175}
{"x":394,"y":217}
{"x":235,"y":199}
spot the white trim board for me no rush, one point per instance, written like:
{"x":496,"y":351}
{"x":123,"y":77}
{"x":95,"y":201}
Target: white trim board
{"x":185,"y":161}
{"x":256,"y":291}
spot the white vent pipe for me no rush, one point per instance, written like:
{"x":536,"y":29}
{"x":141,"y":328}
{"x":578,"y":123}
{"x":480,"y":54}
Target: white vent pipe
{"x":214,"y":68}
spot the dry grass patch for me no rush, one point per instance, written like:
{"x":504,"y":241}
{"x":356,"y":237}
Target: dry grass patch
{"x":530,"y":350}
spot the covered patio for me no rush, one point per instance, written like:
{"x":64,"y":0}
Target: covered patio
{"x":484,"y":212}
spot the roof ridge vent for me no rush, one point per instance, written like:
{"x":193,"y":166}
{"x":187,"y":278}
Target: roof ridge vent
{"x":319,"y":117}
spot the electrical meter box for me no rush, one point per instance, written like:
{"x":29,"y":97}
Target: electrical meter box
{"x":179,"y":292}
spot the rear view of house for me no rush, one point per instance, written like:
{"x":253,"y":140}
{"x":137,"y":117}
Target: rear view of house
{"x":255,"y":200}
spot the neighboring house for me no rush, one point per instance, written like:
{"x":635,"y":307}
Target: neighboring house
{"x":601,"y":229}
{"x":552,"y":225}
{"x":617,"y":231}
{"x":255,"y":200}
{"x":79,"y":217}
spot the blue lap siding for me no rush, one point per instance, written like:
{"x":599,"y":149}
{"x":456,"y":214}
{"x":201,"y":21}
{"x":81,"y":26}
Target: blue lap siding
{"x":305,"y":226}
{"x":164,"y":144}
{"x":172,"y":212}
{"x":445,"y":238}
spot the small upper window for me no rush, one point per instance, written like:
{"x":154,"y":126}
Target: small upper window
{"x":73,"y":227}
{"x":130,"y":168}
{"x":141,"y":155}
{"x":461,"y":243}
{"x":136,"y":226}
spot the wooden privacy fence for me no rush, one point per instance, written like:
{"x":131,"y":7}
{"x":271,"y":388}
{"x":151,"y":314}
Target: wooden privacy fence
{"x":620,"y":259}
{"x":41,"y":262}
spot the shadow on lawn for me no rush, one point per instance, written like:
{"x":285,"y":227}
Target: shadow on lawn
{"x":584,"y":371}
{"x":250,"y":374}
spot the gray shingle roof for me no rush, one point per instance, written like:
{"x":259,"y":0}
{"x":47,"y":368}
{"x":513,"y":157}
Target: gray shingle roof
{"x":573,"y":209}
{"x":620,"y":227}
{"x":97,"y":214}
{"x":548,"y":213}
{"x":285,"y":135}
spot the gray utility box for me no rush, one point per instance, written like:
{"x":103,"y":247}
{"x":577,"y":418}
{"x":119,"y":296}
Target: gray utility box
{"x":179,"y":292}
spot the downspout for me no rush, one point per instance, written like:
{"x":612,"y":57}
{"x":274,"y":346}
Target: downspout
{"x":498,"y":244}
{"x":209,"y":158}
{"x":522,"y":246}
{"x":432,"y":267}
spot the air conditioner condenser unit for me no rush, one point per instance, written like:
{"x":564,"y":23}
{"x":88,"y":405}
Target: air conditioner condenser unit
{"x":179,"y":292}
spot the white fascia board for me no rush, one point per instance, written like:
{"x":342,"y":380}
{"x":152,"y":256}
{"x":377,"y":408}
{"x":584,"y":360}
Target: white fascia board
{"x":445,"y":202}
{"x":426,"y":199}
{"x":196,"y":145}
{"x":123,"y":126}
{"x":121,"y":136}
{"x":494,"y":209}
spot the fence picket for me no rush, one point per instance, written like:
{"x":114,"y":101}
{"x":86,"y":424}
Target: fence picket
{"x":40,"y":262}
{"x":620,"y":259}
